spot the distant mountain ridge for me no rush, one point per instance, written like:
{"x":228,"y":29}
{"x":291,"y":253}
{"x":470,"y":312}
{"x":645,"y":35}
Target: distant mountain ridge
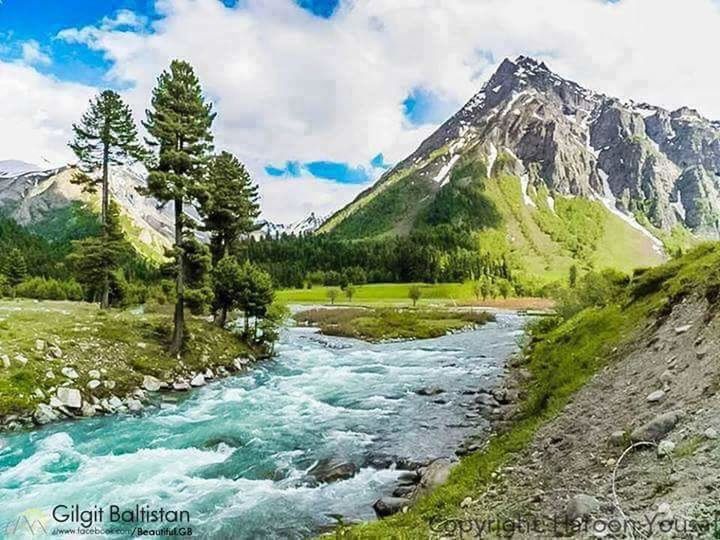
{"x":30,"y":195}
{"x":656,"y":170}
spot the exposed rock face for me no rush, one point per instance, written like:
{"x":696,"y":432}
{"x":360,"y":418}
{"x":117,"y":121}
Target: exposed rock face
{"x":635,"y":158}
{"x":29,"y":197}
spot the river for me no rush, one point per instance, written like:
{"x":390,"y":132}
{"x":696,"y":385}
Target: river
{"x":234,"y":454}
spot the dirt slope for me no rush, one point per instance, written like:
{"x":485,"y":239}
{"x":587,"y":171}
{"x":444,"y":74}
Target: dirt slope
{"x":569,"y":470}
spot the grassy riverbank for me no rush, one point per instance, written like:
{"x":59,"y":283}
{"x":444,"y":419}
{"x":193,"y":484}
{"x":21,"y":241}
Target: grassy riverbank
{"x":40,"y":340}
{"x":562,"y":356}
{"x":377,"y":324}
{"x":397,"y":294}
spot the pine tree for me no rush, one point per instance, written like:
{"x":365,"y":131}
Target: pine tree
{"x":106,"y":135}
{"x":179,"y":127}
{"x":95,"y":258}
{"x":17,"y":269}
{"x":228,"y":203}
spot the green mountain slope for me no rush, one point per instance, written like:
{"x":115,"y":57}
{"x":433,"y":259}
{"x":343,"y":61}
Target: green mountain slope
{"x":539,"y":233}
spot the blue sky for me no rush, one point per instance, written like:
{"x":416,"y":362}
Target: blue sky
{"x":23,"y":21}
{"x":41,"y":20}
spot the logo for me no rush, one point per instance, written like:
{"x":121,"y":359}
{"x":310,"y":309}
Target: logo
{"x":32,"y":522}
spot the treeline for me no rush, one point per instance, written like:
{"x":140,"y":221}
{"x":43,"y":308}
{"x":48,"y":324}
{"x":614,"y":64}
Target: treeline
{"x":44,"y":262}
{"x":431,"y":254}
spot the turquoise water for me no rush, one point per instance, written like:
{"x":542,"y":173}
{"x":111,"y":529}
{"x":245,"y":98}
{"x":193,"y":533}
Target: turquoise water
{"x":234,"y":454}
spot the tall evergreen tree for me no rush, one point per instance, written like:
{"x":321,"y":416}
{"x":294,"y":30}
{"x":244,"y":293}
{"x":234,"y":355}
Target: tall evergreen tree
{"x":94,"y":258}
{"x":17,"y":269}
{"x":179,"y":127}
{"x":106,"y":135}
{"x":228,"y":203}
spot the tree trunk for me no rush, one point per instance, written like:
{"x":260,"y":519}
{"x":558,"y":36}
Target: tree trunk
{"x":105,"y":299}
{"x":221,"y":317}
{"x":179,"y":318}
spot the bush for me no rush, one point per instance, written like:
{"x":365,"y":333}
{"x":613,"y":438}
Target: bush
{"x":49,"y":289}
{"x":594,"y":289}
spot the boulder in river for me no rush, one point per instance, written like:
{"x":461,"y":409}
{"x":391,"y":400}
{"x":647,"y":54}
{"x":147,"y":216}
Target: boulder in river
{"x":44,"y":414}
{"x":198,"y":380}
{"x":430,"y":391}
{"x":387,"y":506}
{"x":329,"y":470}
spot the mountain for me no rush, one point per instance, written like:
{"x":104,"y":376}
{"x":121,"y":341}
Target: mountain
{"x":33,"y":197}
{"x":37,"y":197}
{"x":301,"y":227}
{"x":554,"y":173}
{"x":13,"y":167}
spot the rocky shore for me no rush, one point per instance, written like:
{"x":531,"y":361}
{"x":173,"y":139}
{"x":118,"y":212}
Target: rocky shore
{"x":64,"y":360}
{"x":66,"y":399}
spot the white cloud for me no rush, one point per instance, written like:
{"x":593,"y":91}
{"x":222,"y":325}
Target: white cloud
{"x":291,"y":86}
{"x":288,"y":199}
{"x":37,"y":112}
{"x":32,"y":54}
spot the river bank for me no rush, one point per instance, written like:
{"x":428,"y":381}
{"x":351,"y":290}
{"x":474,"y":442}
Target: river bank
{"x":64,"y":360}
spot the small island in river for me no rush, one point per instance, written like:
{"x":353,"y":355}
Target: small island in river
{"x":390,"y":323}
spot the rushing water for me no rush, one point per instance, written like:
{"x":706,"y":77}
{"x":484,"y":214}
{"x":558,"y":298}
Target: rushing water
{"x":234,"y":454}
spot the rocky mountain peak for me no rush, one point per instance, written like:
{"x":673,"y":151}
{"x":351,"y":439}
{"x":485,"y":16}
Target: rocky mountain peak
{"x":641,"y":160}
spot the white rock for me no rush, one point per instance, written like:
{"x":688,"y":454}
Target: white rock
{"x":49,"y":374}
{"x":115,"y":402}
{"x":55,"y":351}
{"x":209,"y":374}
{"x":69,"y":397}
{"x":44,"y":414}
{"x":133,"y":405}
{"x":151,"y":384}
{"x":665,"y":448}
{"x":109,"y":384}
{"x":39,"y":345}
{"x":655,"y":396}
{"x":39,"y":393}
{"x":198,"y":380}
{"x":94,"y":374}
{"x":21,"y":359}
{"x":55,"y":402}
{"x":711,"y":433}
{"x":682,"y":329}
{"x":93,"y":384}
{"x":69,"y":372}
{"x":5,"y":361}
{"x":88,"y":409}
{"x":663,"y":508}
{"x":180,"y":386}
{"x":467,"y":501}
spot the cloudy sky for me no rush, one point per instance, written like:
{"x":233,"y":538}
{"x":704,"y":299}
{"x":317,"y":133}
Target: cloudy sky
{"x":318,"y":97}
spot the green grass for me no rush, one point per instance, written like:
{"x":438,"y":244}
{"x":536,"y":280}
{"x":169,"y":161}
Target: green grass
{"x":380,"y":324}
{"x":562,"y":357}
{"x":381,"y":293}
{"x":125,"y":344}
